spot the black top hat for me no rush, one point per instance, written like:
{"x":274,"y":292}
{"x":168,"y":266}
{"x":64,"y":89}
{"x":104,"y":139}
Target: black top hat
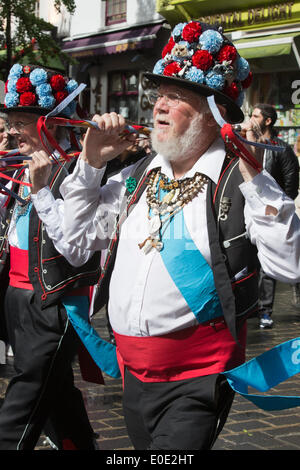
{"x":199,"y":57}
{"x":33,"y":89}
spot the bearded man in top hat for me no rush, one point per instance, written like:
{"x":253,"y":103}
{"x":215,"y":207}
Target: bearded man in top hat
{"x":43,"y":282}
{"x":183,"y":229}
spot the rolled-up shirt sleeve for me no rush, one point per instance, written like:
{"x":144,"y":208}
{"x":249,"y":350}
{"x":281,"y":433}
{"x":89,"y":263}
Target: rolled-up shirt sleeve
{"x":277,"y":237}
{"x":91,"y":210}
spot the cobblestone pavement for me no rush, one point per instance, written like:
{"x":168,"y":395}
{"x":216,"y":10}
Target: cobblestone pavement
{"x":247,"y":427}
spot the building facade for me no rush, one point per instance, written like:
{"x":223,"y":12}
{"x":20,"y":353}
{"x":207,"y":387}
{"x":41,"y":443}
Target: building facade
{"x":267,"y":34}
{"x":111,"y":43}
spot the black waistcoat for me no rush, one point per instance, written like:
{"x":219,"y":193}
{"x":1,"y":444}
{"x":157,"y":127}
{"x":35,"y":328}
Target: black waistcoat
{"x":51,"y":275}
{"x":234,"y":258}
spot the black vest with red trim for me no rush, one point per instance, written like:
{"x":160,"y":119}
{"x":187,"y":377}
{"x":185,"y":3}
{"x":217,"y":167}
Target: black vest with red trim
{"x":234,"y":257}
{"x":51,"y":275}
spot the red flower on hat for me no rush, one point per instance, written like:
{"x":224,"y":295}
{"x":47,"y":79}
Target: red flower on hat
{"x":23,"y":84}
{"x":202,"y":60}
{"x":27,"y":99}
{"x":232,"y":91}
{"x":227,"y":53}
{"x":172,"y":69}
{"x":57,"y":82}
{"x":191,"y":32}
{"x":248,"y":80}
{"x":60,"y":96}
{"x":167,"y":49}
{"x":26,"y":69}
{"x":5,"y":86}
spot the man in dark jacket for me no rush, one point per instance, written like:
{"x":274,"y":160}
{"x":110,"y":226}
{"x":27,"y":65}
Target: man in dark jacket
{"x":284,"y":167}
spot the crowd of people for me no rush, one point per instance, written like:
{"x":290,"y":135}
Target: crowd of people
{"x":182,"y":240}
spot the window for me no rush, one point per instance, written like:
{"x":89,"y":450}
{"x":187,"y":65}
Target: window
{"x":123,"y":94}
{"x":115,"y":11}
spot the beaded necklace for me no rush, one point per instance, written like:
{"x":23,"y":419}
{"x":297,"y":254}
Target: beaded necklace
{"x":25,"y":194}
{"x":162,"y":209}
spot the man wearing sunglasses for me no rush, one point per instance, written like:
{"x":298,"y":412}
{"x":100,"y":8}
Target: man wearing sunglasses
{"x":182,"y":228}
{"x":43,"y":282}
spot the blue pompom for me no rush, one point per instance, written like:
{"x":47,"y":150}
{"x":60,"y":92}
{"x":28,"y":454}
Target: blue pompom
{"x":44,"y":89}
{"x":38,"y":76}
{"x":159,"y":67}
{"x":15,"y":71}
{"x":11,"y":85}
{"x":71,"y":86}
{"x":242,"y":68}
{"x":47,"y":101}
{"x":177,"y":31}
{"x":215,"y":80}
{"x":211,"y":41}
{"x":11,"y":99}
{"x":195,"y":75}
{"x":240,"y":99}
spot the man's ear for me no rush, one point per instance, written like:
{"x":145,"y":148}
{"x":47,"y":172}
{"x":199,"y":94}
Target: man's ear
{"x":268,"y":121}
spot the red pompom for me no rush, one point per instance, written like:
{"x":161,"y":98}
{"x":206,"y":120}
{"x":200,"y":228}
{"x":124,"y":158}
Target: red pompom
{"x":60,"y":96}
{"x":202,"y":60}
{"x":248,"y":80}
{"x":167,"y":49}
{"x":232,"y":91}
{"x":191,"y":32}
{"x":27,"y":99}
{"x":57,"y":82}
{"x":172,"y":69}
{"x":227,"y":53}
{"x":23,"y":84}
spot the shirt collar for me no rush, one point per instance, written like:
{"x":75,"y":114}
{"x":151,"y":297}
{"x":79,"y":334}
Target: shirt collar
{"x":210,"y":163}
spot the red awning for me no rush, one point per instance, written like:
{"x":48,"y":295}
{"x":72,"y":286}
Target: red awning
{"x":112,"y":43}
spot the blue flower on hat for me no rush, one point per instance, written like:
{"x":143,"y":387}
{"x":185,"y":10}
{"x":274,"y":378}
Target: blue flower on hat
{"x":38,"y":76}
{"x":159,"y":67}
{"x":11,"y":85}
{"x":177,"y":31}
{"x":47,"y":101}
{"x":211,"y":41}
{"x":195,"y":75}
{"x":11,"y":99}
{"x":71,"y":86}
{"x":243,"y":68}
{"x":15,"y":71}
{"x":44,"y":89}
{"x":215,"y":80}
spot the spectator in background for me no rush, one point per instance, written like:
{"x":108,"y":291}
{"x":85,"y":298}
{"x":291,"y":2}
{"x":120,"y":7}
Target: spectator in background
{"x":284,"y":167}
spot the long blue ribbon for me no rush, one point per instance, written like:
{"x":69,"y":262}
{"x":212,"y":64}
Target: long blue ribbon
{"x":102,"y":352}
{"x":266,"y":371}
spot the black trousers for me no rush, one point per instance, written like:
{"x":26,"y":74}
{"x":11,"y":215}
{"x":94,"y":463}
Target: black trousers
{"x":42,"y":394}
{"x":267,"y":288}
{"x":182,"y":415}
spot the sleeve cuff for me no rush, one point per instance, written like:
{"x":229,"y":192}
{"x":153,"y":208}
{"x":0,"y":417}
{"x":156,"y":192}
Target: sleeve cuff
{"x":43,"y":199}
{"x":88,"y":175}
{"x":262,"y":191}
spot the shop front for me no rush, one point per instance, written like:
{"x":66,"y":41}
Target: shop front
{"x":267,"y":34}
{"x":112,"y":63}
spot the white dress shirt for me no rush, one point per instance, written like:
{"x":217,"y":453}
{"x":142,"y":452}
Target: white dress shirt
{"x":143,"y":298}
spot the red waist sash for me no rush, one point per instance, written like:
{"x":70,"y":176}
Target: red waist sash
{"x":18,"y":274}
{"x":192,"y":352}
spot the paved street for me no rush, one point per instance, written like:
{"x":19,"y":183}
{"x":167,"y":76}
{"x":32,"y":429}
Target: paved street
{"x":247,"y":428}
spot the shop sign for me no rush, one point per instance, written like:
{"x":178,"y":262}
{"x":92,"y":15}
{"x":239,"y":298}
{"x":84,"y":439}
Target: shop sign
{"x":277,"y":13}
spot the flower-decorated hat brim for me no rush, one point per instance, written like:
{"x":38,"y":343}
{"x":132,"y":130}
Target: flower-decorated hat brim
{"x":29,"y":109}
{"x":234,"y":113}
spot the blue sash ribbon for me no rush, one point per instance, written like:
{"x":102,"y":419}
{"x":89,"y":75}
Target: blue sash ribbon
{"x":102,"y":352}
{"x":266,"y":371}
{"x":189,"y":270}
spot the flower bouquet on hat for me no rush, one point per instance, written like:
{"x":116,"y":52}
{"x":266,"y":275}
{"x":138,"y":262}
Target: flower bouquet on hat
{"x":198,"y":56}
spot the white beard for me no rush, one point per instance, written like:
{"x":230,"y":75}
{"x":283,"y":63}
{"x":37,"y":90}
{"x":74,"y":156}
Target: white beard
{"x":180,"y":147}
